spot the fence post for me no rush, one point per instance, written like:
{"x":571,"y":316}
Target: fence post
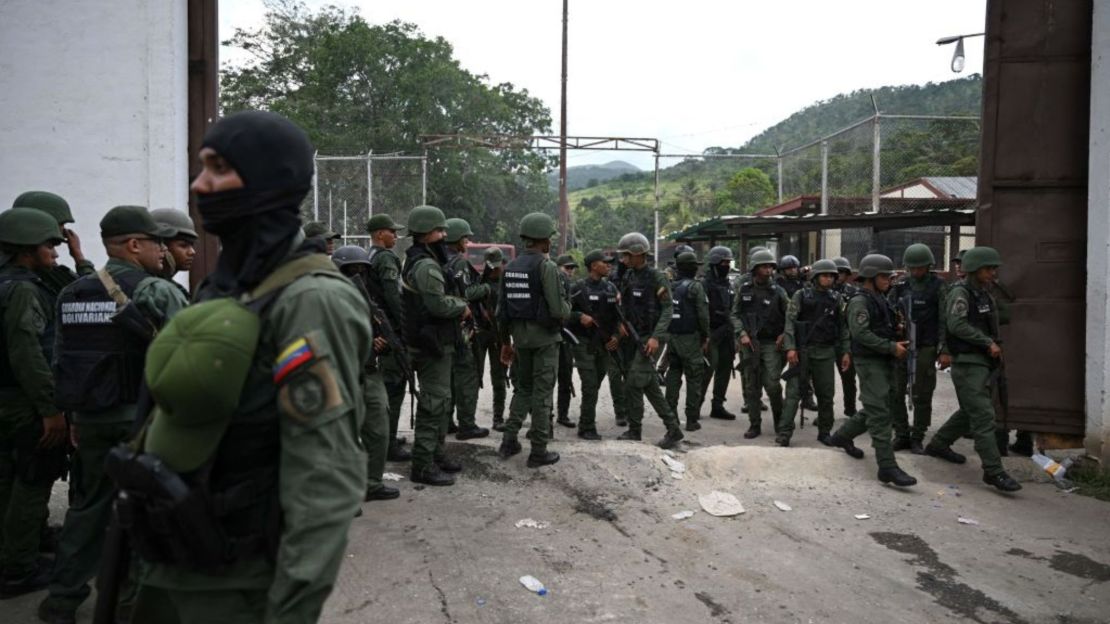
{"x":876,"y":179}
{"x":369,"y":184}
{"x":824,"y":192}
{"x":315,"y":189}
{"x":424,"y":179}
{"x":780,"y":178}
{"x":656,"y":247}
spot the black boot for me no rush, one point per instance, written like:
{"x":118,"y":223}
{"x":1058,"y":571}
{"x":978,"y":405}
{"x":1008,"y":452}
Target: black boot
{"x":35,"y":579}
{"x":850,"y":410}
{"x":57,"y":611}
{"x":431,"y":475}
{"x":782,"y":440}
{"x":901,"y":444}
{"x":509,"y":447}
{"x":753,"y":432}
{"x":743,"y":409}
{"x":1002,"y":481}
{"x":809,"y":403}
{"x":542,"y":458}
{"x":671,"y":440}
{"x":470,"y":433}
{"x":622,"y":422}
{"x":446,"y":464}
{"x":1023,"y":444}
{"x":846,"y":444}
{"x":692,"y":424}
{"x":385,"y":492}
{"x":452,"y":427}
{"x":565,"y":421}
{"x":498,"y":422}
{"x":631,"y":434}
{"x":720,"y":413}
{"x":589,"y":434}
{"x":916,"y":448}
{"x":397,"y":453}
{"x":897,"y":476}
{"x":823,"y":438}
{"x":946,"y":453}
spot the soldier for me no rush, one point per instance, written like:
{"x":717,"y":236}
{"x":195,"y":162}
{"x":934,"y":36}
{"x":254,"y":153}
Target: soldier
{"x":646,"y":309}
{"x":181,"y":244}
{"x":789,"y":278}
{"x":465,"y":380}
{"x":814,"y":330}
{"x":759,"y":318}
{"x":875,"y":347}
{"x":846,"y":288}
{"x":354,"y":263}
{"x":275,"y":433}
{"x":567,"y":267}
{"x":722,"y":346}
{"x":488,"y":340}
{"x":105,"y":323}
{"x":57,"y":277}
{"x":923,"y":294}
{"x":594,"y":319}
{"x":384,"y":283}
{"x":32,"y":428}
{"x":957,"y":272}
{"x":972,"y":326}
{"x":321,"y":232}
{"x":434,"y":309}
{"x":689,"y":339}
{"x":617,"y":384}
{"x":532,"y":307}
{"x":745,"y":371}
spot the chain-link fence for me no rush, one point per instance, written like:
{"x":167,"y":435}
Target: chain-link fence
{"x":349,"y":189}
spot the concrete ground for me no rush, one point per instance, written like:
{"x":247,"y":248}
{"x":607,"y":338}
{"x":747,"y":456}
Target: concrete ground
{"x":612,"y":552}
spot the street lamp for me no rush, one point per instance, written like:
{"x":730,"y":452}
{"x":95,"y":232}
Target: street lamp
{"x":958,"y":59}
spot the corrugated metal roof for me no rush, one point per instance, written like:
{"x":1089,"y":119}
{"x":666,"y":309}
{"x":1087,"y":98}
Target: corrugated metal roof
{"x":960,"y":187}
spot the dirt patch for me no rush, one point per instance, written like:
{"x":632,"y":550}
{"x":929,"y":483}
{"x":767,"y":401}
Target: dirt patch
{"x":716,"y":609}
{"x":479,"y":462}
{"x":1077,"y":565}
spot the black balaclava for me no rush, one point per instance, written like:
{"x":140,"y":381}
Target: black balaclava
{"x":720,"y":270}
{"x":258,"y":223}
{"x":686,"y":270}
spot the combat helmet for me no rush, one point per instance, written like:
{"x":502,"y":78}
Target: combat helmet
{"x":822,"y":267}
{"x":537,"y":226}
{"x":424,"y":219}
{"x":719,"y":254}
{"x":634,"y":243}
{"x":874,"y":264}
{"x":456,"y":229}
{"x":760,"y":258}
{"x":918,"y":255}
{"x":789,"y":262}
{"x":28,"y":227}
{"x":979,"y":257}
{"x":49,"y":203}
{"x":350,"y":254}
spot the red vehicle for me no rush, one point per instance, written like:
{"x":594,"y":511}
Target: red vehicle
{"x":476,"y":254}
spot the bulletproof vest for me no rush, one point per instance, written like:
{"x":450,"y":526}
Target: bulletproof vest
{"x":791,"y":286}
{"x":759,"y":308}
{"x":99,"y":364}
{"x":926,"y":316}
{"x":638,"y":297}
{"x":981,"y":308}
{"x":720,"y":295}
{"x":46,"y":339}
{"x":523,"y":284}
{"x":420,"y":329}
{"x":684,"y":311}
{"x":820,"y":310}
{"x":599,"y":300}
{"x":882,"y":320}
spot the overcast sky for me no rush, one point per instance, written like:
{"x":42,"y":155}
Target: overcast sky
{"x":694,"y":73}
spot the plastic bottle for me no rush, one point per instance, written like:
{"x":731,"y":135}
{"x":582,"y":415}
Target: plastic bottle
{"x":1054,"y":469}
{"x":533,"y":584}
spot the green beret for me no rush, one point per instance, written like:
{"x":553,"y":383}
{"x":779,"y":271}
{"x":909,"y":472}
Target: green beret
{"x":132,"y":220}
{"x":49,"y":203}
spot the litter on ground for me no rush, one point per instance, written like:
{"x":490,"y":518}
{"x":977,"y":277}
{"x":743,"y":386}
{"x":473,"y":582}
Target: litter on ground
{"x":528,"y":523}
{"x":720,"y":504}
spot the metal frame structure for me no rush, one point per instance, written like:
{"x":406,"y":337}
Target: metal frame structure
{"x":370,"y":157}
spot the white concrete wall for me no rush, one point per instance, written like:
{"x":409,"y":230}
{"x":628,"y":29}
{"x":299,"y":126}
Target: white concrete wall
{"x":93,"y":106}
{"x":1098,"y":242}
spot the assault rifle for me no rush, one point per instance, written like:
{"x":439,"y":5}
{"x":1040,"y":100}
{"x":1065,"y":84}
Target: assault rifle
{"x":600,"y":333}
{"x":752,"y":329}
{"x":911,"y":356}
{"x":804,"y":331}
{"x":640,"y":342}
{"x":396,"y":346}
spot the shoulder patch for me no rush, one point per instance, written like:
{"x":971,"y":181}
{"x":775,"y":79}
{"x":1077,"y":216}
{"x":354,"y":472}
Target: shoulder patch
{"x":310,"y":392}
{"x":959,"y":307}
{"x":292,"y":357}
{"x":862,"y":318}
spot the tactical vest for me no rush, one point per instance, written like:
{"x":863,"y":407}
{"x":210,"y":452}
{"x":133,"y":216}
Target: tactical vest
{"x":821,"y":311}
{"x":926,"y":302}
{"x":638,"y":297}
{"x":420,"y":329}
{"x":759,"y":303}
{"x":791,"y":286}
{"x":523,"y":285}
{"x":720,"y":294}
{"x":882,"y":321}
{"x":980,"y":309}
{"x":46,"y":339}
{"x":599,"y":300}
{"x":100,"y":364}
{"x":684,"y":311}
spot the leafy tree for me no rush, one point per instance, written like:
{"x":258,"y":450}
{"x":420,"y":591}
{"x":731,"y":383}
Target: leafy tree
{"x":355,"y":86}
{"x":747,"y":191}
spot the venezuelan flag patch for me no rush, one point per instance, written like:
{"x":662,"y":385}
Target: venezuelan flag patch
{"x":292,"y":357}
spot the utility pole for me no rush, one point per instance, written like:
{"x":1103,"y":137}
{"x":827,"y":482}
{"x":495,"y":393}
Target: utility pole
{"x":564,"y":209}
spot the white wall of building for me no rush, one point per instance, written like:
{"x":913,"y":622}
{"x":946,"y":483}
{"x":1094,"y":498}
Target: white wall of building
{"x":1098,"y":243}
{"x":93,"y":106}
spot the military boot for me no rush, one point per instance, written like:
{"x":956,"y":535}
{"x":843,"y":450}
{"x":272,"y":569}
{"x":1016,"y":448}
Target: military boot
{"x":622,"y":422}
{"x":431,"y":475}
{"x":498,"y":422}
{"x":33,"y":580}
{"x":565,"y":421}
{"x":54,"y":610}
{"x":846,"y":444}
{"x":916,"y":448}
{"x":446,"y":464}
{"x":470,"y":433}
{"x":1023,"y":444}
{"x":809,"y":403}
{"x":671,"y":440}
{"x":509,"y":447}
{"x":397,"y":453}
{"x":631,"y":434}
{"x":946,"y":453}
{"x":542,"y":457}
{"x":384,"y":492}
{"x":1002,"y":481}
{"x":782,"y":440}
{"x":720,"y":413}
{"x":897,"y":476}
{"x":692,"y":424}
{"x":753,"y":431}
{"x":589,"y":434}
{"x":823,"y":437}
{"x":901,"y":444}
{"x":452,"y":426}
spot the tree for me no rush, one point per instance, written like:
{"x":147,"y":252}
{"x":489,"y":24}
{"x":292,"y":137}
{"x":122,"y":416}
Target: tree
{"x":355,"y":86}
{"x":747,"y":191}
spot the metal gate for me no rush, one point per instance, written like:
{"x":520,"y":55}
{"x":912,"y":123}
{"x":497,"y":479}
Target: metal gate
{"x":1033,"y":199}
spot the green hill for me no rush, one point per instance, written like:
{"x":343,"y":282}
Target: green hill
{"x":693,"y":190}
{"x":583,"y":176}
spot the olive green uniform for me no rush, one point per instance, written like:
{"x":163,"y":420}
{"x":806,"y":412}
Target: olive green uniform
{"x":971,"y":373}
{"x":487,"y":344}
{"x":536,"y":359}
{"x":770,"y":297}
{"x":826,"y":341}
{"x":687,"y":356}
{"x":642,"y":377}
{"x":465,"y":378}
{"x":92,"y":491}
{"x":873,"y":356}
{"x":27,"y":473}
{"x":847,"y":377}
{"x":322,"y":466}
{"x":593,"y":361}
{"x":925,"y":371}
{"x":385,"y":276}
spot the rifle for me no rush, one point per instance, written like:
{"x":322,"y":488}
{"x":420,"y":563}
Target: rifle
{"x":911,"y":336}
{"x":601,"y":334}
{"x":640,"y":342}
{"x":997,"y":379}
{"x":664,"y":362}
{"x":753,"y":330}
{"x":804,"y":332}
{"x":396,"y":346}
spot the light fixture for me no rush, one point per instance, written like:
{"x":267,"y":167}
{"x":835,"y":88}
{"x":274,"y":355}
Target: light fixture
{"x":959,"y":60}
